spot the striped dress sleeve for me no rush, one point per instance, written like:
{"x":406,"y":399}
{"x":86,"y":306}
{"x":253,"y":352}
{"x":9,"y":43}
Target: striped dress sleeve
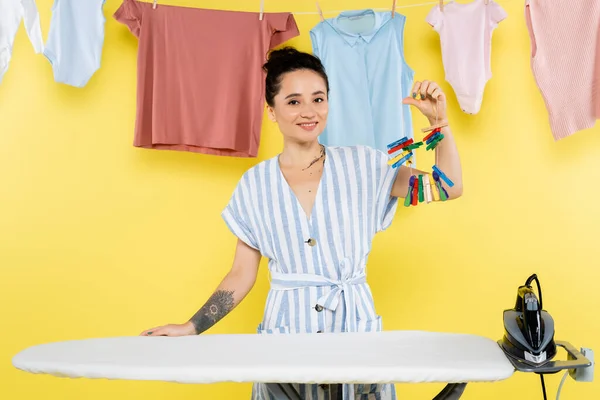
{"x":384,"y":176}
{"x":237,"y":213}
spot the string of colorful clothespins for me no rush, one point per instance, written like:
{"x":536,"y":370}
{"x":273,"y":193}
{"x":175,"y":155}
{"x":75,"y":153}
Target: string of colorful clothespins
{"x":421,"y":188}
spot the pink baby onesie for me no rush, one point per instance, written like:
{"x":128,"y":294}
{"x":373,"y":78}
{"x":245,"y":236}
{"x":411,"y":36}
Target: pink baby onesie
{"x":465,"y":31}
{"x":565,"y":61}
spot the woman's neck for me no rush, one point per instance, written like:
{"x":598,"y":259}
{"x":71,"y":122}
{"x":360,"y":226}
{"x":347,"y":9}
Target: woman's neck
{"x":299,"y":155}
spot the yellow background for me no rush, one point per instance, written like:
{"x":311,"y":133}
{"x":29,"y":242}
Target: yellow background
{"x":101,"y":239}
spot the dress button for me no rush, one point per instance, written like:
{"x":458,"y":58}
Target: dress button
{"x":319,"y":308}
{"x":311,"y":242}
{"x":319,"y":331}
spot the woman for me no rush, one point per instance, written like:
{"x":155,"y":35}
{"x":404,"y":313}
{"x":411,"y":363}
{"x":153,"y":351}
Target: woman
{"x":313,"y":212}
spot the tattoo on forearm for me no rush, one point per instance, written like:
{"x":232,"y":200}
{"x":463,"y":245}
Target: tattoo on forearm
{"x":217,"y":306}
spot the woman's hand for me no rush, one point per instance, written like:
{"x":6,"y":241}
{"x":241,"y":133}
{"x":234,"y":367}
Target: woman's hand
{"x":428,"y":98}
{"x":171,"y":330}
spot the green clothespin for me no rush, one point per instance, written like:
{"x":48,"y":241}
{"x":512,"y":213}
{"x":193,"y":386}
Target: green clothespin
{"x":421,"y":195}
{"x":434,"y":142}
{"x":408,"y":198}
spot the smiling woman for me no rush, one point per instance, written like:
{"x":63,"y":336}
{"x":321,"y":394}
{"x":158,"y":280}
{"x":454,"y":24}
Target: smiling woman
{"x":313,"y":211}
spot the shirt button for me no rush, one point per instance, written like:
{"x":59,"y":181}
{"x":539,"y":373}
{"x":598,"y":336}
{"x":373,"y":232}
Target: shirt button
{"x":311,"y":242}
{"x":319,"y":308}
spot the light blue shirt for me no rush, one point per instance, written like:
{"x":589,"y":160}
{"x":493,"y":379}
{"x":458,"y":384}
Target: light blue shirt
{"x":363,"y":55}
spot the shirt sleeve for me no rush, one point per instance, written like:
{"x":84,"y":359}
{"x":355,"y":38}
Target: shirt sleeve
{"x":384,"y":176}
{"x":434,"y":18}
{"x":31,"y":19}
{"x":129,"y":13}
{"x":497,"y":13}
{"x":237,"y":214}
{"x":283,"y":26}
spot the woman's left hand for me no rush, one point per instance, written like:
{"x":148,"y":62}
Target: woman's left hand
{"x":428,"y":97}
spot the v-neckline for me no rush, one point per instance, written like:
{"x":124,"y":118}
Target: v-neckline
{"x":307,"y":216}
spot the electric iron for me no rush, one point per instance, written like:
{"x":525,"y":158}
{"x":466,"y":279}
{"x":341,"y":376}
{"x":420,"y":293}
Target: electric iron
{"x":528,"y":329}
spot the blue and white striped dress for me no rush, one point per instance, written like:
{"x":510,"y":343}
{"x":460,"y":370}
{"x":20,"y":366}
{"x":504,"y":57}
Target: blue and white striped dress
{"x":320,"y":288}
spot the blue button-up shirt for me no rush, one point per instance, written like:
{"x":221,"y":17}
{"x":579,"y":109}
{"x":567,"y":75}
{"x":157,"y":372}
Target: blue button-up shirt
{"x":363,"y":55}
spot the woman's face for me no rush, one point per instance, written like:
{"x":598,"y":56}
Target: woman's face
{"x":300,"y":108}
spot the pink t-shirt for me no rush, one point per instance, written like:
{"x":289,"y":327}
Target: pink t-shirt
{"x":200,"y":83}
{"x":565,"y":60}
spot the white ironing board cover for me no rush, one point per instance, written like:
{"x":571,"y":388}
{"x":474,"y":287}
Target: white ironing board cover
{"x":379,"y":357}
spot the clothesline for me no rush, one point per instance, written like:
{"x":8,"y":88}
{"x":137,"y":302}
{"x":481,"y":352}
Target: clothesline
{"x":398,"y":6}
{"x":374,"y":9}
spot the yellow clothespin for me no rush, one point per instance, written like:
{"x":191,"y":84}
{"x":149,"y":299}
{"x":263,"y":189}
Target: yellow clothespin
{"x":393,"y":8}
{"x":436,"y":196}
{"x":442,"y":5}
{"x":154,"y":4}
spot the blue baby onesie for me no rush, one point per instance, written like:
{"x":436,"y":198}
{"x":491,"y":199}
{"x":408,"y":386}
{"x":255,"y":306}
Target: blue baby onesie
{"x":363,"y":55}
{"x":75,"y":40}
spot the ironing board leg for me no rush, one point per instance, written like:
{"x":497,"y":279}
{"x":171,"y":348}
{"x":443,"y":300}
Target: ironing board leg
{"x":451,"y":391}
{"x":283,"y":391}
{"x":286,"y":391}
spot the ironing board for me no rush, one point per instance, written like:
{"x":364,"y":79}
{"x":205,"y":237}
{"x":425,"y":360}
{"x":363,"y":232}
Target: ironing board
{"x":329,"y":358}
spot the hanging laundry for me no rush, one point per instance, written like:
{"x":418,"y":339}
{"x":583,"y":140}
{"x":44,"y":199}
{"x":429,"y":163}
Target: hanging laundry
{"x":11,"y":14}
{"x":465,"y":31}
{"x":363,"y":54}
{"x":564,"y":57}
{"x":200,"y":79}
{"x":75,"y":40}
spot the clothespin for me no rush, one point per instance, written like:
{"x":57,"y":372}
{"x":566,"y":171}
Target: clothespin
{"x":415,"y":192}
{"x":320,"y":12}
{"x":433,"y":132}
{"x":400,"y":146}
{"x":443,"y":194}
{"x":487,"y":2}
{"x":421,"y":187}
{"x":413,"y":146}
{"x":399,"y":160}
{"x":154,"y":4}
{"x":434,"y":127}
{"x":442,"y":5}
{"x":434,"y":141}
{"x":409,"y":193}
{"x":443,"y":176}
{"x":434,"y":192}
{"x":393,"y":8}
{"x":428,"y":197}
{"x":262,"y":9}
{"x":396,"y":143}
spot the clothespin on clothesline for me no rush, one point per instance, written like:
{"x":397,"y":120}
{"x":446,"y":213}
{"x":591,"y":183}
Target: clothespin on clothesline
{"x":393,"y":8}
{"x":262,"y":9}
{"x":441,"y":5}
{"x":154,"y":4}
{"x":320,"y":12}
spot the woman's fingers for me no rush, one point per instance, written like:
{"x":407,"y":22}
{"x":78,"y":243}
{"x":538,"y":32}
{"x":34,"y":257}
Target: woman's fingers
{"x":152,"y":331}
{"x":424,"y":89}
{"x":416,"y":90}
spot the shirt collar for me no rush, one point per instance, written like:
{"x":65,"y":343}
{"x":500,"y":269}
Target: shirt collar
{"x":350,"y":37}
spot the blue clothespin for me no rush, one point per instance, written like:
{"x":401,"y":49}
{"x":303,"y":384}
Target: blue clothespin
{"x":402,"y":160}
{"x":397,"y":142}
{"x":432,"y":138}
{"x":443,"y":176}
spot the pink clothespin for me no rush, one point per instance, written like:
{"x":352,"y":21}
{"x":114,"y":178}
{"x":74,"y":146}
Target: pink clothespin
{"x":154,"y":4}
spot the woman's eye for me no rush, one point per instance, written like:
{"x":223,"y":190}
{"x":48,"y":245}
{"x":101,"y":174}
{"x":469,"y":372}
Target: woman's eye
{"x":293,"y":102}
{"x":319,"y":99}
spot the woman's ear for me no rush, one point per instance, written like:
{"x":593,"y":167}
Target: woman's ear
{"x":271,"y":112}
